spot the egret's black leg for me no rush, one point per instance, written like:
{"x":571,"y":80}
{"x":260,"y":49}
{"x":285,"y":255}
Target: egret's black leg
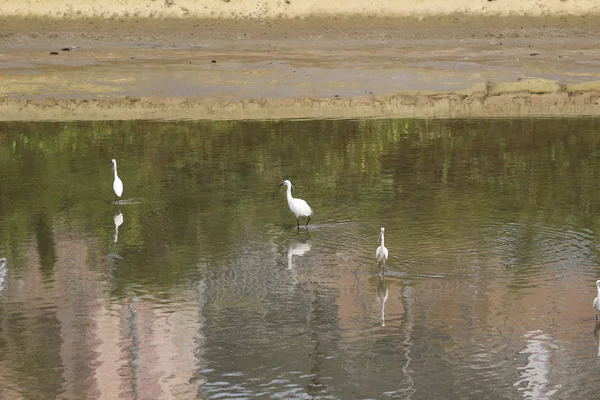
{"x":308,"y":221}
{"x":298,"y":221}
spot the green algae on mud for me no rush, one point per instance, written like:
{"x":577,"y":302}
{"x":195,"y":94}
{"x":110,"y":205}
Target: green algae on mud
{"x":477,"y":105}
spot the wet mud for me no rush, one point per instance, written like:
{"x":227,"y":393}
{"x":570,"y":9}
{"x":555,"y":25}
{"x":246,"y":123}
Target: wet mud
{"x":361,"y":66}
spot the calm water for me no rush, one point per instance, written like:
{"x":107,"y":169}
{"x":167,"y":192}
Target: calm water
{"x":207,"y":290}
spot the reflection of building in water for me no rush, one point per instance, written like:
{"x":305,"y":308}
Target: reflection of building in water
{"x":481,"y":318}
{"x":137,"y":347}
{"x":535,"y":375}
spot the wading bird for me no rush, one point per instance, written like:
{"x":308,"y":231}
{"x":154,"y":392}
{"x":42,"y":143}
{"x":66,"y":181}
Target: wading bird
{"x":382,"y":253}
{"x":298,"y":207}
{"x":117,"y":184}
{"x":597,"y":299}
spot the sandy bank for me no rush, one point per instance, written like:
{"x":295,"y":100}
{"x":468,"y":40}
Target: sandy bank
{"x":116,"y":67}
{"x":290,"y":8}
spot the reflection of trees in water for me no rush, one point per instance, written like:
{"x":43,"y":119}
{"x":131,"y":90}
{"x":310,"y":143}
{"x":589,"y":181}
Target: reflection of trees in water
{"x":207,"y":186}
{"x":46,"y":247}
{"x":192,"y":170}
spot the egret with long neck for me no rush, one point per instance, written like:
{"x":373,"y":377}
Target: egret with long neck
{"x":382,"y":253}
{"x":298,"y":207}
{"x":117,"y":183}
{"x":597,"y":299}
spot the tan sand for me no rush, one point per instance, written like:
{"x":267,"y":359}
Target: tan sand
{"x":347,"y":59}
{"x":292,"y":8}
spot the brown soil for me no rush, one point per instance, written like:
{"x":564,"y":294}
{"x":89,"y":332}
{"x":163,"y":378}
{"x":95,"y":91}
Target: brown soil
{"x":173,"y":68}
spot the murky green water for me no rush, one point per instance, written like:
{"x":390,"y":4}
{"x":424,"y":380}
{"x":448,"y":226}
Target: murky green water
{"x":208,"y":291}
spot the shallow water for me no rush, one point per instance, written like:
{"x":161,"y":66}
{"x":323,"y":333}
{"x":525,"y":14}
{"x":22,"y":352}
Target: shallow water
{"x":207,"y":289}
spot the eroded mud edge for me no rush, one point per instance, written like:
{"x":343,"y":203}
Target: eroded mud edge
{"x":477,"y":105}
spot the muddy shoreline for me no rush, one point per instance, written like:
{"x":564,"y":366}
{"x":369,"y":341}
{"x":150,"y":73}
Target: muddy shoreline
{"x":352,"y":67}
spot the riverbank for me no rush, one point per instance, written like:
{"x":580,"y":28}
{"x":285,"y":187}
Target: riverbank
{"x":125,"y":67}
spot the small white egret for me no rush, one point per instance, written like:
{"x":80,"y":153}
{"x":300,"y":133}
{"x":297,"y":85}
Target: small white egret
{"x":298,"y":207}
{"x":382,"y":253}
{"x":117,"y":184}
{"x":597,"y":299}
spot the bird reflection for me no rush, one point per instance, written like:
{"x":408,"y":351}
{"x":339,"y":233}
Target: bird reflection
{"x":118,"y":221}
{"x":382,"y":296}
{"x":2,"y":273}
{"x":298,"y":247}
{"x":597,"y":339}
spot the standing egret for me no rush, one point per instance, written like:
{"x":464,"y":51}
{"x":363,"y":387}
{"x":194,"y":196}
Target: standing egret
{"x":117,"y":184}
{"x":597,"y":299}
{"x":382,"y":253}
{"x":298,"y":207}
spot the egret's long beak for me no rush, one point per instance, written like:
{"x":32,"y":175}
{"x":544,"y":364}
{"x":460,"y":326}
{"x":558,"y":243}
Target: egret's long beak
{"x":281,"y":184}
{"x":379,"y":238}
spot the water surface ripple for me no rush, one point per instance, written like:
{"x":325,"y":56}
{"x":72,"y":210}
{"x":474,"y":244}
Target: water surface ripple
{"x":198,"y":285}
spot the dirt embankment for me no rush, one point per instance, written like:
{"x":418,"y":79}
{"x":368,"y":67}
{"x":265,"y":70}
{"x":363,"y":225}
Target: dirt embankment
{"x":285,"y":59}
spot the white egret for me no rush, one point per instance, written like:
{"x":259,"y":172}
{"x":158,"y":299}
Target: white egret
{"x":382,"y":252}
{"x":298,"y":207}
{"x":117,"y":184}
{"x":597,"y":299}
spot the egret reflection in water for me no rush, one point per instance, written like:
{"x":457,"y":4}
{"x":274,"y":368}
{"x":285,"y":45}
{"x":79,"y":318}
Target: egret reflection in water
{"x":382,"y":296}
{"x":2,"y":273}
{"x":118,"y":222}
{"x":298,"y":247}
{"x":597,"y":339}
